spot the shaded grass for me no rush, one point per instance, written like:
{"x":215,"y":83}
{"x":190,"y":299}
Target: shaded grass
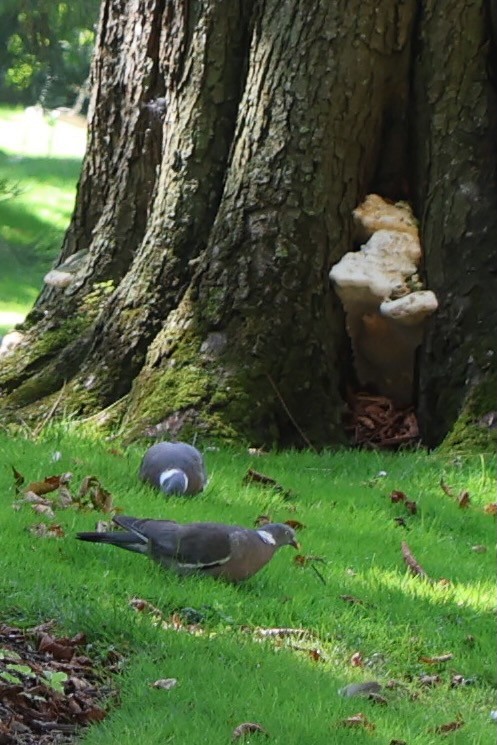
{"x":225,"y":675}
{"x":34,"y":218}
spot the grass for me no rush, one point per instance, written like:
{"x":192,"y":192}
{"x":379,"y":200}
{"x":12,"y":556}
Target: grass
{"x":227,"y":675}
{"x":40,"y":165}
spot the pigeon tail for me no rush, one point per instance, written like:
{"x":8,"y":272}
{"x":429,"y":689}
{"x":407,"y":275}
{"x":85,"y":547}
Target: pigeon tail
{"x":128,"y":541}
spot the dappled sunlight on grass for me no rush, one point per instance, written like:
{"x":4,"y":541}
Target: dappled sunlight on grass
{"x":477,"y":595}
{"x":368,"y":620}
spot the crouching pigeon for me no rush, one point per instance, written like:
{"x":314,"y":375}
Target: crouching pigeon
{"x":230,"y":552}
{"x":174,"y":467}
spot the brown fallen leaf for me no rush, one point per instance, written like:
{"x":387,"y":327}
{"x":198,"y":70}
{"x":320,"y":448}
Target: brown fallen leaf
{"x":165,"y":683}
{"x":437,"y":659}
{"x":42,"y":530}
{"x":43,"y":509}
{"x":295,"y":524}
{"x":49,"y":484}
{"x":443,"y":729}
{"x":316,"y":655}
{"x":357,"y":660}
{"x":253,"y":476}
{"x":463,"y":500}
{"x":247,"y":728}
{"x":358,"y":720}
{"x":397,"y":496}
{"x":415,"y":568}
{"x":58,"y":650}
{"x":93,"y":493}
{"x":351,"y":599}
{"x":490,"y":509}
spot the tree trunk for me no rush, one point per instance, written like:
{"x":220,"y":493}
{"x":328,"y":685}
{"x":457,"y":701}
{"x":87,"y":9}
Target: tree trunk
{"x":229,"y":141}
{"x":455,"y":149}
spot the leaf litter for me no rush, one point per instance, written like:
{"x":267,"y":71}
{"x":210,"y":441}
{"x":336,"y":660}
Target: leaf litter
{"x":91,"y":495}
{"x":49,"y":690}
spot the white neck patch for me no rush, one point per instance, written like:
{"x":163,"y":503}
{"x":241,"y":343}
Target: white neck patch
{"x":165,"y":475}
{"x":266,"y":537}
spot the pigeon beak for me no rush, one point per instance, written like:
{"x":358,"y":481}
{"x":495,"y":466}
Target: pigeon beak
{"x":295,"y":543}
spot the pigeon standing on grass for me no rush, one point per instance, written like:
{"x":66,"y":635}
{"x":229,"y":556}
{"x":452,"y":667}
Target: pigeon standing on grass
{"x":230,"y":552}
{"x":174,"y":467}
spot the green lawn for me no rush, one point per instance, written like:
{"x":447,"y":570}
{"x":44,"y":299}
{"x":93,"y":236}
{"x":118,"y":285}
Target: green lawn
{"x":39,"y":167}
{"x":226,"y":674}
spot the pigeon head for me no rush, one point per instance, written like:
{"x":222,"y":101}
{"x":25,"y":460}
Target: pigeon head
{"x":173,"y":481}
{"x":279,"y":534}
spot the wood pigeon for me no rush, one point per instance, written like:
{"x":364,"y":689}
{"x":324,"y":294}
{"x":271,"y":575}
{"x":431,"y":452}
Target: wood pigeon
{"x":230,"y":552}
{"x":174,"y":467}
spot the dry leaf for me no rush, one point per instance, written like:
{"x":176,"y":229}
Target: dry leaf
{"x":411,"y":506}
{"x":92,"y":491}
{"x":443,"y":729}
{"x":490,"y":509}
{"x":479,"y":549}
{"x":248,"y":728}
{"x":437,"y":659}
{"x":165,"y":683}
{"x":356,"y":660}
{"x":295,"y":524}
{"x":463,"y":499}
{"x":316,"y":655}
{"x":358,"y":720}
{"x":49,"y":484}
{"x":253,"y":476}
{"x":397,"y":496}
{"x":43,"y":509}
{"x":55,"y":647}
{"x":351,"y":599}
{"x":411,"y":562}
{"x":42,"y":530}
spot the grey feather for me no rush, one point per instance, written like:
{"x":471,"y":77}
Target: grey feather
{"x":230,"y":552}
{"x":181,"y":460}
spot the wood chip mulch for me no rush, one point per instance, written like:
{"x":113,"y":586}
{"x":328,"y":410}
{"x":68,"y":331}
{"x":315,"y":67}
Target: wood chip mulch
{"x":374,"y":422}
{"x":49,"y":689}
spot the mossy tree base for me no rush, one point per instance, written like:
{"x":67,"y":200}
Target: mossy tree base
{"x":228,"y":144}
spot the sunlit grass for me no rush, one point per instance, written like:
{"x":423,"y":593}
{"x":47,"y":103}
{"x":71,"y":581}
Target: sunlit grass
{"x":39,"y":165}
{"x":226,"y":674}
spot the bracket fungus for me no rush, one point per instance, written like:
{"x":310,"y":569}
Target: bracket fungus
{"x":383,"y":297}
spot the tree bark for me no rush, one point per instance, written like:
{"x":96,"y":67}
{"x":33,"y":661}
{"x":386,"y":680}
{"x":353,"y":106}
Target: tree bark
{"x":229,"y":142}
{"x":455,"y":111}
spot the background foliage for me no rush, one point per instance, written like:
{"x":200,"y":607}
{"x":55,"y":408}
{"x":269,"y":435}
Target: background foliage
{"x":45,"y":50}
